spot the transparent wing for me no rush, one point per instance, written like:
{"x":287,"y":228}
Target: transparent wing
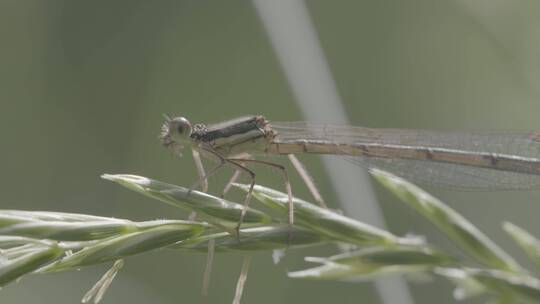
{"x":424,"y":171}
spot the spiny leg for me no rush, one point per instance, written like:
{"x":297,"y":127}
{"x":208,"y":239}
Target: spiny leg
{"x":208,"y":175}
{"x":250,"y":191}
{"x":308,"y":180}
{"x":200,"y":169}
{"x":231,"y":181}
{"x":286,"y":179}
{"x":203,"y":181}
{"x":247,"y":199}
{"x":235,"y":175}
{"x":201,"y":174}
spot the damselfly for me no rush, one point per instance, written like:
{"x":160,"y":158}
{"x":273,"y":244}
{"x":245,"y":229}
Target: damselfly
{"x":481,"y":160}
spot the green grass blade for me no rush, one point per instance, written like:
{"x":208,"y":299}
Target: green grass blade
{"x":257,"y":238}
{"x":325,"y":221}
{"x":528,"y":243}
{"x":213,"y":209}
{"x":29,"y":261}
{"x":507,"y":286}
{"x":129,"y":244}
{"x":458,"y":229}
{"x":524,"y":288}
{"x":370,"y":263}
{"x":10,"y":241}
{"x":54,"y":216}
{"x":67,"y":231}
{"x":34,"y":226}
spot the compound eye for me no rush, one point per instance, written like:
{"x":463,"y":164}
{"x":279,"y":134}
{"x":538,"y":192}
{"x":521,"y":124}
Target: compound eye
{"x":180,"y":126}
{"x":180,"y":129}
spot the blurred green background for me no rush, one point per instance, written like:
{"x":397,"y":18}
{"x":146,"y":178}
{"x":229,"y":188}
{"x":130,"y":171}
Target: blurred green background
{"x":83,"y":85}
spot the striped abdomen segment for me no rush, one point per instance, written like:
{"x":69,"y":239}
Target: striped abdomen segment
{"x":495,"y":161}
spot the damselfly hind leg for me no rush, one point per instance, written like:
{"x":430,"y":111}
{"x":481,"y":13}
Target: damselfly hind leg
{"x":308,"y":180}
{"x":247,"y":199}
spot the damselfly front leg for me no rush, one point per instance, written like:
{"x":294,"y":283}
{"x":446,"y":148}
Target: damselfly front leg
{"x":239,"y":166}
{"x":200,"y":170}
{"x":203,"y":178}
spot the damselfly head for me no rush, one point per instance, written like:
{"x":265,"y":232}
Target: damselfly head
{"x":175,"y":132}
